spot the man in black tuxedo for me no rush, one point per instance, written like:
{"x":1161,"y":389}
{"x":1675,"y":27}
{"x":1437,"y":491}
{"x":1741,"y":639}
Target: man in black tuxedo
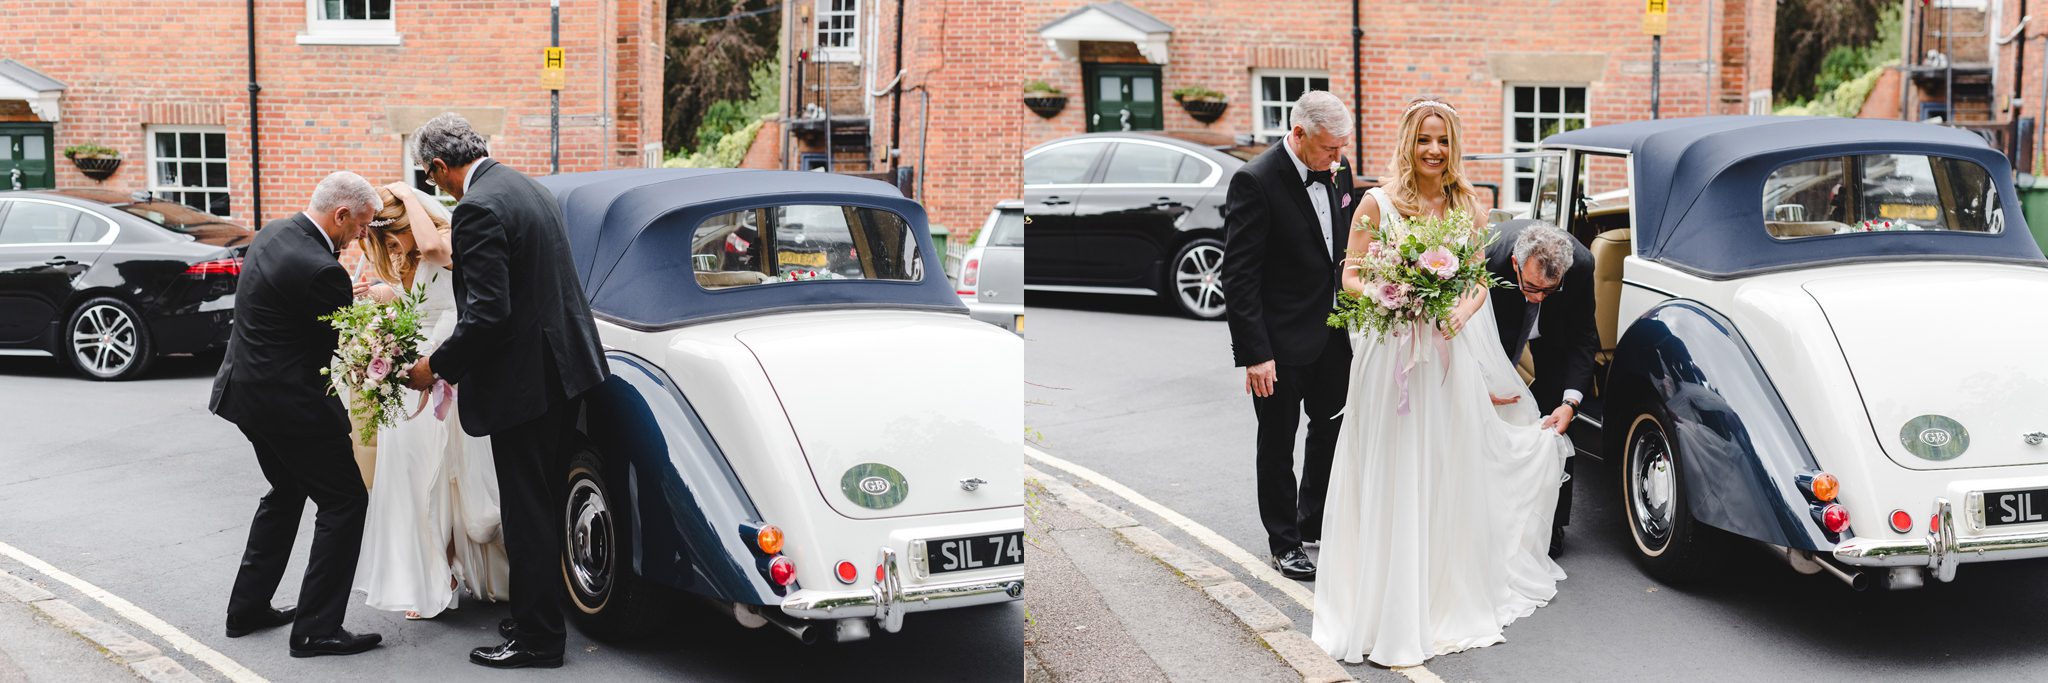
{"x":270,"y":386}
{"x":1551,"y":312}
{"x":523,"y":350}
{"x":1286,"y":222}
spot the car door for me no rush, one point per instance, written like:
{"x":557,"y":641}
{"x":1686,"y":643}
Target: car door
{"x":1055,"y":178}
{"x":40,"y":256}
{"x":1129,"y":220}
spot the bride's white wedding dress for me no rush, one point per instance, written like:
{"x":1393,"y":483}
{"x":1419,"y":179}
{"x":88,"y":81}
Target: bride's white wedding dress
{"x":1436,"y":528}
{"x":436,"y":489}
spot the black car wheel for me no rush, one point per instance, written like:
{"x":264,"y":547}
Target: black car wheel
{"x":1195,"y":279}
{"x":1669,"y":544}
{"x":610,"y":604}
{"x":105,"y":339}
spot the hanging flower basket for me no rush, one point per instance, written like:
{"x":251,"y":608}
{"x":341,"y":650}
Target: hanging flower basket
{"x":97,"y":168}
{"x":1047,"y":107}
{"x":1205,"y":111}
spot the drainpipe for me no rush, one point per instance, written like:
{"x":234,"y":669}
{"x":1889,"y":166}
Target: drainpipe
{"x":1357,"y":87}
{"x":896,"y":98}
{"x":924,"y":117}
{"x":255,"y":141}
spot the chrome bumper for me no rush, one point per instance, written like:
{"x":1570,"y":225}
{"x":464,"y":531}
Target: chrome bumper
{"x":1941,"y":550}
{"x":888,"y":600}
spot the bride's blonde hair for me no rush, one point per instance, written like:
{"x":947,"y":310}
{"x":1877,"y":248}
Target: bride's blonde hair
{"x":392,"y":267}
{"x":1401,"y":178}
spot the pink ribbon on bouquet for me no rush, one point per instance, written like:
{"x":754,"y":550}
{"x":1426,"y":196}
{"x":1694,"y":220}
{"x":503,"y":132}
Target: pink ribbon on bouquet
{"x":442,"y":395}
{"x":1410,"y":353}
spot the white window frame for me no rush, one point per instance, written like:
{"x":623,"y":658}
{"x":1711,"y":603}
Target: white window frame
{"x":1760,"y":102}
{"x":1259,"y":104}
{"x":1508,"y":173}
{"x":850,"y":52}
{"x":156,"y":186}
{"x":323,"y":31}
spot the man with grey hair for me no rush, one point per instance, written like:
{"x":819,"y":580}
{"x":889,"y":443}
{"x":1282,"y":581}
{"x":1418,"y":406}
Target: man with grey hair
{"x":523,"y":351}
{"x":1286,"y":221}
{"x":270,"y":386}
{"x":1550,"y":312}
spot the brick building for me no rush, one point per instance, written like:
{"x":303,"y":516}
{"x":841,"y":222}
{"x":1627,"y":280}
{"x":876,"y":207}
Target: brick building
{"x":343,"y":84}
{"x":1516,"y":69}
{"x":1976,"y":64}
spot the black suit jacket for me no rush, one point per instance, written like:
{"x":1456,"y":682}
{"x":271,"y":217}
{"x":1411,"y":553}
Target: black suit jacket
{"x":270,"y":379}
{"x":1277,"y":278}
{"x":1569,"y":337}
{"x":525,"y":340}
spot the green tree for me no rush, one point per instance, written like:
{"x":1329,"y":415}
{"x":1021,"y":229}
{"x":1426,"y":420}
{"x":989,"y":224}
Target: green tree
{"x":1811,"y":31}
{"x":710,"y":61}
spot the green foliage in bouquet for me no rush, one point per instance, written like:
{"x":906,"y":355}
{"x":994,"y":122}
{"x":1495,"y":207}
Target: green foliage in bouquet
{"x":380,"y":340}
{"x":1414,"y":273}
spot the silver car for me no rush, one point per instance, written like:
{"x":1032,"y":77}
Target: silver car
{"x":991,"y":280}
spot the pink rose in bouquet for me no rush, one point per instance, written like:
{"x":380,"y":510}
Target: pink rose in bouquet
{"x":1438,"y":261}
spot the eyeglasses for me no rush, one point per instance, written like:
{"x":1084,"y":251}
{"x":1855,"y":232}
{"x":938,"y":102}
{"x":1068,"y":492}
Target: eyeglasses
{"x":1546,"y":291}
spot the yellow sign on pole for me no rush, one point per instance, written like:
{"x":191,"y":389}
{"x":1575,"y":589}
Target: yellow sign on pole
{"x":1654,"y":18}
{"x":552,"y":76}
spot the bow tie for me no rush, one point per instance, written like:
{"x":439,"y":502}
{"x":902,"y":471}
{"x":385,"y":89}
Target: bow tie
{"x":1325,"y":177}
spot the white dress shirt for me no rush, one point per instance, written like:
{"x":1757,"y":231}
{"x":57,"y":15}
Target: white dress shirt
{"x":470,"y":175}
{"x":1318,"y":196}
{"x":321,"y":231}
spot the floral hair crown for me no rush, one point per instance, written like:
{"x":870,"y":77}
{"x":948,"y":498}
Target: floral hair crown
{"x":1429,"y":103}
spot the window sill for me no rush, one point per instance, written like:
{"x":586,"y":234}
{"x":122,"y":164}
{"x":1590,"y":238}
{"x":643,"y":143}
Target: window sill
{"x":350,"y":39}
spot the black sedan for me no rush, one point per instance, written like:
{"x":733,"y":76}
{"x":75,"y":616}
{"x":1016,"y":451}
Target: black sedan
{"x":106,"y":282}
{"x":1131,"y":213}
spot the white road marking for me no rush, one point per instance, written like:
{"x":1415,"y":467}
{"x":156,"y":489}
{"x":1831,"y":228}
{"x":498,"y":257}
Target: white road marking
{"x":233,"y":670}
{"x":1215,"y":541}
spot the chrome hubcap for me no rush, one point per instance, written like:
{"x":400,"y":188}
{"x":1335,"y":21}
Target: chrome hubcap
{"x":1651,"y":483}
{"x":1198,"y":278}
{"x":104,"y":340}
{"x":590,"y":538}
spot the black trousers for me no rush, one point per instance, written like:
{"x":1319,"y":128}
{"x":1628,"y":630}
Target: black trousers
{"x":1291,"y":512}
{"x":531,"y":468}
{"x":300,"y":466}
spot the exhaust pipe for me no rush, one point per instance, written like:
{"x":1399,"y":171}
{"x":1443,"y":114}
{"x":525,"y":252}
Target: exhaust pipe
{"x":1805,"y":563}
{"x":804,"y":631}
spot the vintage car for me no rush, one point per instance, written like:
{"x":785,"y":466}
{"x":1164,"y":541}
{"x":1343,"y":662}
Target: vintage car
{"x":802,"y":424}
{"x":1818,"y":335}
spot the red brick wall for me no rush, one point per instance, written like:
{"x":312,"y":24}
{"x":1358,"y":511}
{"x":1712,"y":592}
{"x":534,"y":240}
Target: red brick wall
{"x":966,"y":53}
{"x":324,"y":107}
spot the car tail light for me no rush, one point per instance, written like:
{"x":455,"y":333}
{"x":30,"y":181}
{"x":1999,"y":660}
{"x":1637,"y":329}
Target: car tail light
{"x":881,"y":574}
{"x":1819,"y":487}
{"x":970,"y":277}
{"x":782,"y":571}
{"x":1902,"y":521}
{"x":226,"y":266}
{"x":1835,"y":518}
{"x":847,"y":572}
{"x":769,"y":539}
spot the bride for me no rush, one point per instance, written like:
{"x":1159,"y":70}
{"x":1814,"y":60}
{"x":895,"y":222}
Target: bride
{"x":433,"y":517}
{"x":1437,"y":520}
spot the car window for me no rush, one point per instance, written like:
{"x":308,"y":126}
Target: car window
{"x":1006,"y":229}
{"x":803,"y":242}
{"x":1131,"y":163}
{"x":38,"y":223}
{"x":1192,"y":170}
{"x":1063,"y":165}
{"x":1880,"y":193}
{"x":177,"y":217}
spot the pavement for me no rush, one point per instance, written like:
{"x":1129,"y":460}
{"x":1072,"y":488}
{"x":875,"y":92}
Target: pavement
{"x":1150,"y":403}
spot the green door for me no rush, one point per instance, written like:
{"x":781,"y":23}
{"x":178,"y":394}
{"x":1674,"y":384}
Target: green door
{"x":25,"y":152}
{"x":1124,"y":97}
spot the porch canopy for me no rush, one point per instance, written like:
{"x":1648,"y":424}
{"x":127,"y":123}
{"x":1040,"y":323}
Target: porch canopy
{"x":18,"y":83}
{"x":1108,"y":22}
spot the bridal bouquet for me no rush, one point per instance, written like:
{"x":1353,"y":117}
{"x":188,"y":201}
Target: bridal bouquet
{"x":379,"y":341}
{"x":1414,"y":272}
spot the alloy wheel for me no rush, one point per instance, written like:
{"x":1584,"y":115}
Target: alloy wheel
{"x":1198,"y":280}
{"x":104,"y":340}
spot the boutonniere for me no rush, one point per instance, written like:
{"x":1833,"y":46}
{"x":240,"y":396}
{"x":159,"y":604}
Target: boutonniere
{"x":1336,"y":167}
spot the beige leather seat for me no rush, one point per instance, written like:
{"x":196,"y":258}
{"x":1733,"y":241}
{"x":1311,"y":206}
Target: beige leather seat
{"x":1783,"y":229}
{"x":734,"y":278}
{"x":1609,"y":249}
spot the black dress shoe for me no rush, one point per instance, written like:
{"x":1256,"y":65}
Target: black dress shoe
{"x":515,"y":655}
{"x":1556,"y":543}
{"x":1294,"y":564}
{"x":244,"y":624}
{"x":341,"y":643}
{"x":509,"y":629}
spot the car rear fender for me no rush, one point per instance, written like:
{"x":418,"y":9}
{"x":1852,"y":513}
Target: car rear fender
{"x":691,"y":521}
{"x":1739,"y":449}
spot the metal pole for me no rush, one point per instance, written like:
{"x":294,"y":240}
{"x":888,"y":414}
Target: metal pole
{"x":555,"y":96}
{"x":1656,"y":71}
{"x":1357,"y":89}
{"x":1948,"y":86}
{"x":255,"y":140}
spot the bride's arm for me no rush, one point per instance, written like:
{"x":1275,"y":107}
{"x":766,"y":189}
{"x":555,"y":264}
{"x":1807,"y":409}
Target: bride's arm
{"x":433,"y":246}
{"x":1362,"y":232}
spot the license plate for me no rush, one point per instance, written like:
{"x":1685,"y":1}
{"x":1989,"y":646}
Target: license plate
{"x":1020,"y":324}
{"x":2019,"y":506}
{"x":968,"y":553}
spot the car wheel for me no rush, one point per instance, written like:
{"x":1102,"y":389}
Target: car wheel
{"x":1195,"y":280}
{"x":609,"y":602}
{"x":104,"y":339}
{"x":1669,"y":544}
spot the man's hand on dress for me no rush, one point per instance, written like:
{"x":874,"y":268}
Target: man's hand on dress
{"x":1260,"y":378}
{"x":1561,"y":418}
{"x":1500,"y":400}
{"x":420,"y":377}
